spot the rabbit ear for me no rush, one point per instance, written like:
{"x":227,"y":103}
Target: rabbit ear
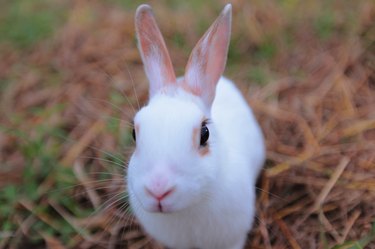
{"x":155,"y":57}
{"x":207,"y":60}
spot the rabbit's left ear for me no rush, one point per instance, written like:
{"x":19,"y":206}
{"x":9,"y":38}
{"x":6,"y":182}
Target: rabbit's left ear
{"x":207,"y":60}
{"x":155,"y":57}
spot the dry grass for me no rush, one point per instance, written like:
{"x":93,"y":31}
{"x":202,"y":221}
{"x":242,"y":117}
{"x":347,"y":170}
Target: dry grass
{"x":67,"y":101}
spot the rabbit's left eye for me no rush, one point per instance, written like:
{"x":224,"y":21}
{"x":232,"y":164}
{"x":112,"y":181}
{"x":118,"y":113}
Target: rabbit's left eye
{"x":133,"y":134}
{"x":205,"y":133}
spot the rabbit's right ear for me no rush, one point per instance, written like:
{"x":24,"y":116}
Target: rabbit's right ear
{"x":155,"y":57}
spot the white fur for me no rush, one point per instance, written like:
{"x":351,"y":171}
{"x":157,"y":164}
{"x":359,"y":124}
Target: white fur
{"x":214,"y":204}
{"x":211,"y":195}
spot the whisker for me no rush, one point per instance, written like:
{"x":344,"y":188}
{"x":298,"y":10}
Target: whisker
{"x":111,"y":104}
{"x":106,"y":173}
{"x":271,"y":194}
{"x":82,"y":185}
{"x":103,"y":160}
{"x":94,"y":148}
{"x":128,"y":123}
{"x":123,"y":94}
{"x":103,"y":207}
{"x":133,"y":86}
{"x":114,"y":217}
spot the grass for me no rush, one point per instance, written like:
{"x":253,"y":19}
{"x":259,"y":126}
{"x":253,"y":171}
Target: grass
{"x":24,"y":23}
{"x":71,"y":80}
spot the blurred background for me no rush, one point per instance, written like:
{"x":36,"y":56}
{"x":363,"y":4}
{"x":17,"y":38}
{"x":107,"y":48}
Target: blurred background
{"x":71,"y":80}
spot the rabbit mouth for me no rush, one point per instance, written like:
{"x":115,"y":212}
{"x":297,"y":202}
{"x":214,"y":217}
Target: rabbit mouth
{"x":152,"y":205}
{"x":158,"y":207}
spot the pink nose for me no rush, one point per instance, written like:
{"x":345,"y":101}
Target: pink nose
{"x":159,"y":195}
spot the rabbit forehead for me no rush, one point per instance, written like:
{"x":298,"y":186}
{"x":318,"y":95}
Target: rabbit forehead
{"x":167,"y":124}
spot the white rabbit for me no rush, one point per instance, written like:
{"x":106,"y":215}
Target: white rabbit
{"x":199,"y":149}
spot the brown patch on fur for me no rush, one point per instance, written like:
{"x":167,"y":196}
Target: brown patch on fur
{"x":196,"y":133}
{"x":203,"y":151}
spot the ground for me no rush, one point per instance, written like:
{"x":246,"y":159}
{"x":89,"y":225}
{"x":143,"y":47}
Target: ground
{"x":71,"y":80}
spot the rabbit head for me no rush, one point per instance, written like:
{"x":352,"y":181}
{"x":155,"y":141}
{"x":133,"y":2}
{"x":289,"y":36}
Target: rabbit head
{"x":174,"y":164}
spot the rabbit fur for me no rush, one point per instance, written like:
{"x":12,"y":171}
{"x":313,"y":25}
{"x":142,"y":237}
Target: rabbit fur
{"x":185,"y":194}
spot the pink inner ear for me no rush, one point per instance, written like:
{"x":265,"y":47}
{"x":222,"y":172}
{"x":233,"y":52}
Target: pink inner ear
{"x":155,"y":56}
{"x":207,"y":61}
{"x":153,"y":47}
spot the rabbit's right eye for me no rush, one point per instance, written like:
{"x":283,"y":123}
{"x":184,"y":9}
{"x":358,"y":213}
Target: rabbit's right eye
{"x":133,"y":134}
{"x":205,"y":133}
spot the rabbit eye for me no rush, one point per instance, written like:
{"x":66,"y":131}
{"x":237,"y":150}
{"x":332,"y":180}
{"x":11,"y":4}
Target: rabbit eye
{"x":205,"y":133}
{"x":133,"y":134}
